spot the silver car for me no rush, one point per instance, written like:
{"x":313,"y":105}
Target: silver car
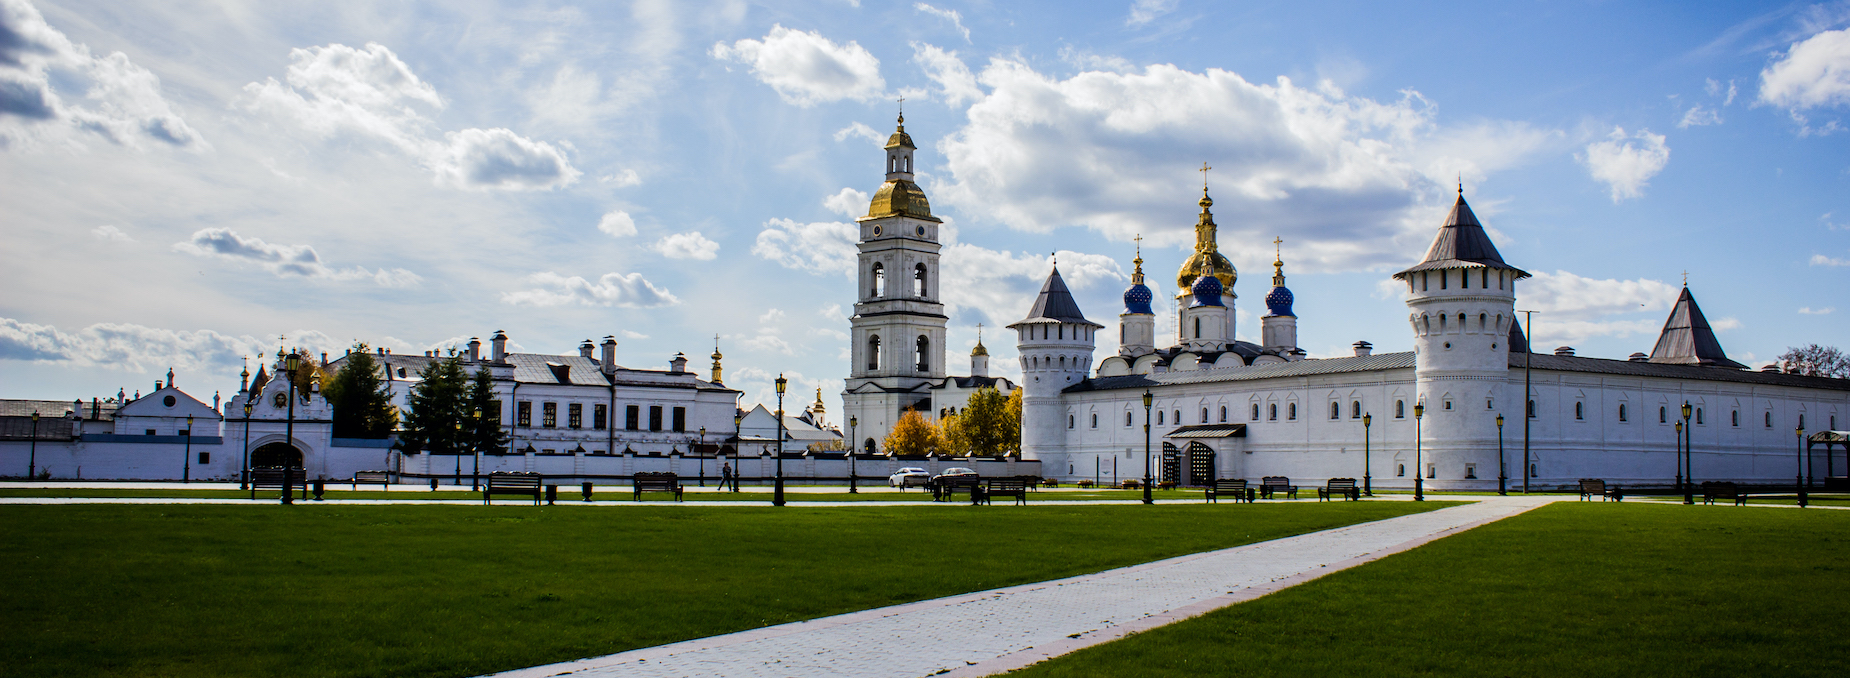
{"x":910,"y":476}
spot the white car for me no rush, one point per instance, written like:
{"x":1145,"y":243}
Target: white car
{"x":910,"y":476}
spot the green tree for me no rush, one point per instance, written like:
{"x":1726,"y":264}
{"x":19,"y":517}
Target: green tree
{"x":912,"y":436}
{"x":1011,"y":424}
{"x":438,"y":406}
{"x":953,"y":436}
{"x":362,"y":401}
{"x":485,"y":433}
{"x":985,"y":422}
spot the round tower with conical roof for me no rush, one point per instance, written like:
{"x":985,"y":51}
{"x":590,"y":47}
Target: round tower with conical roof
{"x":1055,"y":342}
{"x":1462,"y":299}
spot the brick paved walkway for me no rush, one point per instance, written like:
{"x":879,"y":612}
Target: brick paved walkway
{"x":990,"y":632}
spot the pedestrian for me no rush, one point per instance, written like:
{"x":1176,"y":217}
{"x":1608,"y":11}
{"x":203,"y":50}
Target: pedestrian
{"x":725,"y":477}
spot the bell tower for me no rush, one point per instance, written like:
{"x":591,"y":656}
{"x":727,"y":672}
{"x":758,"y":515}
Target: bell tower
{"x":898,"y":327}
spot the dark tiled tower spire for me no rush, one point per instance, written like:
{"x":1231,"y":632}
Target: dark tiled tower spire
{"x":1688,"y":340}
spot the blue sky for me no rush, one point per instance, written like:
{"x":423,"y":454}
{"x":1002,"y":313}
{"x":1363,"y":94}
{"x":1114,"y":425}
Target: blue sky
{"x":186,"y":181}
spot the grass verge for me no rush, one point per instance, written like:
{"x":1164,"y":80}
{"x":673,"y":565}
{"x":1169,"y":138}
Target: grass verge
{"x":444,"y":590}
{"x":1566,"y":590}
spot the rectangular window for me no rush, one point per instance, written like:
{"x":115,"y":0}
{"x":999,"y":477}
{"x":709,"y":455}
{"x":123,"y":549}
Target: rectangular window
{"x":575,"y":415}
{"x":632,"y":417}
{"x":600,"y":417}
{"x":680,"y":419}
{"x":150,"y":431}
{"x":1470,"y":471}
{"x":205,"y":457}
{"x":655,"y":417}
{"x":523,"y":414}
{"x":493,"y":415}
{"x":549,"y":415}
{"x":1432,"y":471}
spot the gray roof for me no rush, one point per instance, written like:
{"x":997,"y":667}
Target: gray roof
{"x":48,"y":409}
{"x":534,"y":368}
{"x":1209,"y":431}
{"x":1519,"y":340}
{"x":1461,"y":243}
{"x":1687,"y":339}
{"x":1056,"y":304}
{"x":1301,"y":368}
{"x":14,"y":427}
{"x":1698,"y":372}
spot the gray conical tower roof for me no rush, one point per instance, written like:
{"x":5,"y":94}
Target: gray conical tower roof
{"x":1687,"y":339}
{"x":1462,"y":243}
{"x":1055,"y":303}
{"x":1519,"y":341}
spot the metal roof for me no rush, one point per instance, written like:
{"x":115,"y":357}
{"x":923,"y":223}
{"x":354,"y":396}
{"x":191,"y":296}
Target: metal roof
{"x":1209,"y":431}
{"x":1055,"y":304}
{"x":1301,"y":368}
{"x":1461,"y":243}
{"x":1687,"y":339}
{"x":1561,"y":363}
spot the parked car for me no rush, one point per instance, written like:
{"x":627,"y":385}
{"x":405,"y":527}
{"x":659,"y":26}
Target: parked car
{"x":910,"y":476}
{"x":953,"y":472}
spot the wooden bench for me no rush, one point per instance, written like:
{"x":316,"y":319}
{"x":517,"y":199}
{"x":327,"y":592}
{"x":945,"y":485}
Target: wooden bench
{"x":1343,"y":487}
{"x":1713,"y":490}
{"x":371,"y":478}
{"x":1005,"y":487}
{"x":656,"y":482}
{"x":272,"y":477}
{"x":523,"y":483}
{"x":1595,"y":487}
{"x":1270,"y":485}
{"x":946,"y":488}
{"x":1229,"y":487}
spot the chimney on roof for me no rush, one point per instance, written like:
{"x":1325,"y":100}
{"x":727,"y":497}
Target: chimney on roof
{"x":1771,"y":367}
{"x":1639,"y":358}
{"x":678,"y":365}
{"x":498,"y":344}
{"x":381,"y":350}
{"x":157,"y":384}
{"x":1364,"y":349}
{"x":586,"y":348}
{"x":1565,"y":351}
{"x":475,"y":349}
{"x":609,"y":363}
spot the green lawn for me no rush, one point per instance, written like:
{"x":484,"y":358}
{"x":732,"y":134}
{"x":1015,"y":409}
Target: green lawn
{"x":1566,"y":590}
{"x":447,"y":591}
{"x":602,"y":494}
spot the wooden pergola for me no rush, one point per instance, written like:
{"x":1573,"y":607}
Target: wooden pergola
{"x":1830,"y":440}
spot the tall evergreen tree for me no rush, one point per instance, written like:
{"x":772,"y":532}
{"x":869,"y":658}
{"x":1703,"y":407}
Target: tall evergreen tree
{"x":438,"y":407}
{"x":484,"y":432}
{"x":362,"y":401}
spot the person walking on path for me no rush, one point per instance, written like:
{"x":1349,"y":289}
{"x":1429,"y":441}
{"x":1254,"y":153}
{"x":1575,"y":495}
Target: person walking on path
{"x":725,"y":477}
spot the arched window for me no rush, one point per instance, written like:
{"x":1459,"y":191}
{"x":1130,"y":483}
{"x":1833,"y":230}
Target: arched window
{"x":1579,"y":410}
{"x":1204,"y":415}
{"x":1735,"y":419}
{"x":1442,"y":323}
{"x":1176,"y":417}
{"x":1698,"y":415}
{"x":918,"y":277}
{"x":1531,"y":408}
{"x":1095,"y":421}
{"x":1400,"y":470}
{"x":1355,"y":409}
{"x":1483,"y":321}
{"x":1197,"y":328}
{"x":1271,"y":411}
{"x":1336,"y":411}
{"x":924,"y":354}
{"x":1127,"y":418}
{"x":1069,"y":421}
{"x":1662,"y":418}
{"x":1223,"y":414}
{"x":1063,"y":362}
{"x":873,"y":352}
{"x":879,"y":276}
{"x":1291,"y":411}
{"x":1159,"y":416}
{"x":1255,"y":411}
{"x":1400,"y":409}
{"x":1621,"y":411}
{"x":1769,"y":419}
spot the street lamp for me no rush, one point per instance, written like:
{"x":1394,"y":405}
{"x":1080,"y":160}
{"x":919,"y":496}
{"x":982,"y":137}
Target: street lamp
{"x":777,"y":496}
{"x":698,"y":454}
{"x":1147,"y":399}
{"x":1803,"y":499}
{"x":1419,"y":464}
{"x":1689,"y":458}
{"x":290,"y":364}
{"x":1679,"y":455}
{"x":738,"y":421}
{"x":853,"y":447}
{"x":244,"y":466}
{"x":454,"y":451}
{"x":32,"y":461}
{"x":1368,"y":478}
{"x":1502,"y":473}
{"x":186,"y":470}
{"x":475,"y":453}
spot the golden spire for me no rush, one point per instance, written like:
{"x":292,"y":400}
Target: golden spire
{"x":716,"y":357}
{"x":1206,"y":248}
{"x":1137,"y":274}
{"x":1278,"y":262}
{"x":817,"y":407}
{"x":980,"y":349}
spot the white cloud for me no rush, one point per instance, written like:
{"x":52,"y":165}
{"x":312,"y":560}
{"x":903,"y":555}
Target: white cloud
{"x":109,"y":233}
{"x":1697,"y":116}
{"x":955,"y":81}
{"x":807,"y":69}
{"x":1623,"y":165}
{"x":849,"y":203}
{"x":632,"y":334}
{"x":1360,"y":183}
{"x":621,"y":179}
{"x":771,"y":316}
{"x":951,"y":15}
{"x":1001,"y":284}
{"x":284,"y":260}
{"x":617,"y":223}
{"x":1813,"y":73}
{"x":1088,"y":60}
{"x":613,"y":289}
{"x":1821,"y":260}
{"x":370,"y":94}
{"x":1571,"y":308}
{"x":856,"y":129}
{"x":818,"y":247}
{"x":138,"y":348}
{"x":1807,"y":310}
{"x":121,"y":102}
{"x":1714,"y":88}
{"x":691,"y":245}
{"x":1145,"y":11}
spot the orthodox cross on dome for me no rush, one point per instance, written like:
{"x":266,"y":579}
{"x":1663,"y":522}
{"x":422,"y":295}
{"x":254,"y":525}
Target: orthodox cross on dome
{"x":1686,"y":278}
{"x":1277,"y":249}
{"x":902,"y":111}
{"x":1204,"y":177}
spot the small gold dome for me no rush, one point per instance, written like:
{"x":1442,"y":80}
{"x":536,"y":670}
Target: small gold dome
{"x":1191,"y":269}
{"x":979,"y":350}
{"x":900,"y":198}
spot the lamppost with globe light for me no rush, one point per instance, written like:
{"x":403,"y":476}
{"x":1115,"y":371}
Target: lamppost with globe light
{"x":1419,"y":463}
{"x":1502,"y":472}
{"x":1803,"y":499}
{"x":1689,"y":458}
{"x":701,"y":455}
{"x":1147,"y":399}
{"x":777,"y":495}
{"x":1368,"y":478}
{"x":475,"y":452}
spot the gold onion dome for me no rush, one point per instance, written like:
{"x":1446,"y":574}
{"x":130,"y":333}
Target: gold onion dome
{"x":1207,"y":252}
{"x":900,"y":198}
{"x":900,"y":138}
{"x":979,"y":350}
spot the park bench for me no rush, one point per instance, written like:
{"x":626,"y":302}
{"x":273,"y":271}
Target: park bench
{"x":1006,"y":487}
{"x":1343,"y":487}
{"x":1713,"y":490}
{"x":1229,"y":487}
{"x":946,"y":488}
{"x":272,"y":477}
{"x":1050,"y":482}
{"x":657,"y":482}
{"x":371,"y":478}
{"x":1270,"y":485}
{"x":1595,"y":487}
{"x":523,"y":483}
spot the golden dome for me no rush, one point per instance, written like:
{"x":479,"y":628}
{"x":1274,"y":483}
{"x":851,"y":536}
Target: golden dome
{"x":1207,"y":251}
{"x":900,"y":138}
{"x":979,"y":350}
{"x":900,"y":198}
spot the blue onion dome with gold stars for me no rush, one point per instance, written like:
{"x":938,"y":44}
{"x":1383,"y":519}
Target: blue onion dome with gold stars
{"x":1137,"y":298}
{"x":1278,"y":301}
{"x":1207,"y":288}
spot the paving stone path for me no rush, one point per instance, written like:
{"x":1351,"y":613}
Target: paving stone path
{"x":989,"y":632}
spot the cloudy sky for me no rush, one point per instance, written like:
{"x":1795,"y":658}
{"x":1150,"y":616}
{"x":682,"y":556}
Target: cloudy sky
{"x":186,"y":182}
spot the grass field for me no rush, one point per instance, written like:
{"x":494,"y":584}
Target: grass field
{"x":602,"y":494}
{"x":1570,"y":589}
{"x":447,"y":591}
